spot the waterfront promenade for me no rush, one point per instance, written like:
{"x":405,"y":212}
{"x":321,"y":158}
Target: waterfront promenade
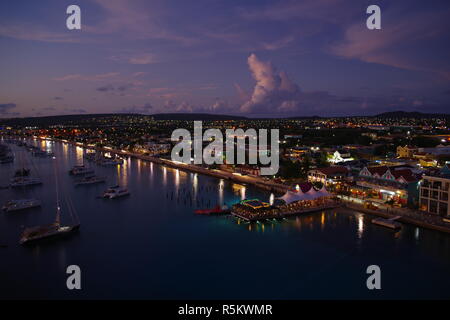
{"x":241,"y":179}
{"x":409,"y":216}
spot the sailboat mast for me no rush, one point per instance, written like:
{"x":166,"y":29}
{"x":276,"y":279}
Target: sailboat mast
{"x":58,"y":206}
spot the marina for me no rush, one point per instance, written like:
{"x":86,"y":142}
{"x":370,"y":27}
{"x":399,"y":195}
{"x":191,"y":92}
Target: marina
{"x":124,"y":234}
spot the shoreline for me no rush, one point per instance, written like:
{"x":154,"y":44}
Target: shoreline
{"x":216,"y":173}
{"x":403,"y":219}
{"x":250,"y":180}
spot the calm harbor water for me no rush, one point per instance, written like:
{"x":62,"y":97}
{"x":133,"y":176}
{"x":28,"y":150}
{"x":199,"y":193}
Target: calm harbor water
{"x":151,"y":245}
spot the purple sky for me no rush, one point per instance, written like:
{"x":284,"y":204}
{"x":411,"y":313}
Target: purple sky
{"x":246,"y":57}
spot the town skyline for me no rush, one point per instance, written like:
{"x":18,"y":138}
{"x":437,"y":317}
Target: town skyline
{"x":262,"y":59}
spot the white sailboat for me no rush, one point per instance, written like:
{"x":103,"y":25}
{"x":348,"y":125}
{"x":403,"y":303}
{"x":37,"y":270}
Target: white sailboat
{"x":55,"y":229}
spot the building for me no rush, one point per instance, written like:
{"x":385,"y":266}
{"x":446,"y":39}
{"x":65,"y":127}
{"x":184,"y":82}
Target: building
{"x":406,"y":151}
{"x":434,"y":193}
{"x":340,"y":156}
{"x":399,"y":184}
{"x":248,"y":169}
{"x":329,"y":175}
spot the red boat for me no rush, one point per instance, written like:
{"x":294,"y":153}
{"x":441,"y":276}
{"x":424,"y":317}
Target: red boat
{"x":216,"y":210}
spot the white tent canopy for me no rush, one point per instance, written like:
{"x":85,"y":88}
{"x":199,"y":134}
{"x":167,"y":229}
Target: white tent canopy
{"x":312,"y":194}
{"x":290,"y":197}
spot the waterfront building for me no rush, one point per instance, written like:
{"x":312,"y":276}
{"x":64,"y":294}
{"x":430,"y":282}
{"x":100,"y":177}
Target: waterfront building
{"x":329,"y":175}
{"x":434,"y":193}
{"x":399,"y":184}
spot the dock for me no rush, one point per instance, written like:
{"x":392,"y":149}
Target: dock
{"x":281,"y":215}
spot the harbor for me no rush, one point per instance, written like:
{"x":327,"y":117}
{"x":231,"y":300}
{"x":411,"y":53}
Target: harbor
{"x":125,"y":233}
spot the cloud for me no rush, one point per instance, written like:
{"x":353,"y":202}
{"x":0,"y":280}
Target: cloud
{"x":76,"y":110}
{"x":411,"y":41}
{"x":105,"y":88}
{"x":5,"y":108}
{"x":32,"y":32}
{"x":276,"y":95}
{"x":138,"y":74}
{"x":146,"y":108}
{"x":273,"y":90}
{"x":135,"y":20}
{"x":120,"y":89}
{"x":95,"y":77}
{"x":145,"y":58}
{"x":136,"y":58}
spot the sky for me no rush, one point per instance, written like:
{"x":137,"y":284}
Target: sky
{"x":261,"y":58}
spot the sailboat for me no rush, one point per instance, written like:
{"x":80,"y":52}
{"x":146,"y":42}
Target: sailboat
{"x":55,"y":229}
{"x":22,"y":177}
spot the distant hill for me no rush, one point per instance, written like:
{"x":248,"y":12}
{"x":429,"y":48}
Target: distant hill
{"x":53,"y":120}
{"x":305,"y":118}
{"x":195,"y":116}
{"x":413,"y":114}
{"x":80,"y":118}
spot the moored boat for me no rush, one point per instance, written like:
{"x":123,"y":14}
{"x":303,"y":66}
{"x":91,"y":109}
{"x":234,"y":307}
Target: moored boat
{"x":56,"y":229}
{"x":80,"y":170}
{"x":22,"y":204}
{"x":90,"y":180}
{"x":116,"y":192}
{"x":214,"y":211}
{"x":24,"y":182}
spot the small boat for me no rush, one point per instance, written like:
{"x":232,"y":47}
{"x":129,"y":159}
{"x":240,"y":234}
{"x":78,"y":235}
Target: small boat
{"x":80,"y":170}
{"x":388,"y":223}
{"x":39,"y":153}
{"x":16,"y":205}
{"x":110,"y":162}
{"x":24,"y":182}
{"x":116,"y":192}
{"x":90,"y":180}
{"x":214,"y":211}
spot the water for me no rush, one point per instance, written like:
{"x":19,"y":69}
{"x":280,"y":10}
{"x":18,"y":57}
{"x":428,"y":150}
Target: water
{"x":152,"y":246}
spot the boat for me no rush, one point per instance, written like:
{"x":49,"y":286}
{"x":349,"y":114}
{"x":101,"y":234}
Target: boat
{"x":7,"y":159}
{"x":42,"y":153}
{"x":43,"y":232}
{"x":214,"y":211}
{"x":110,"y":162}
{"x":90,"y":180}
{"x":24,"y":182}
{"x":89,"y":156}
{"x":22,"y":173}
{"x":16,"y":205}
{"x":56,"y":229}
{"x":116,"y":192}
{"x":80,"y":170}
{"x":388,"y":223}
